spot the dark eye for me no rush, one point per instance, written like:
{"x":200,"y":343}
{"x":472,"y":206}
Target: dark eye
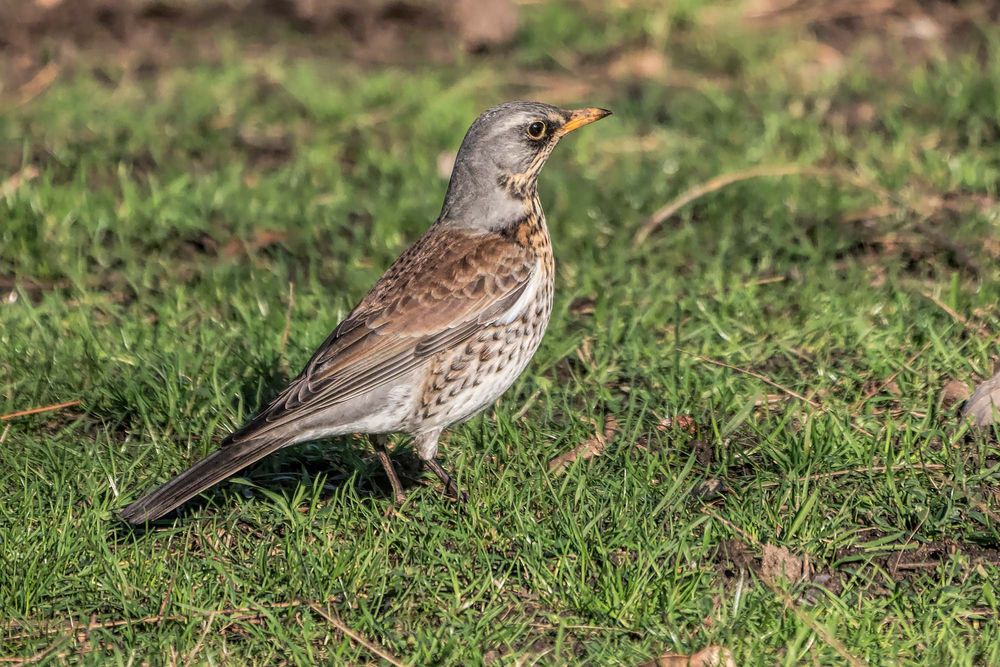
{"x":537,"y":130}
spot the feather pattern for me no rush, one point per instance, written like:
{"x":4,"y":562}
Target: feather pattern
{"x":461,"y":283}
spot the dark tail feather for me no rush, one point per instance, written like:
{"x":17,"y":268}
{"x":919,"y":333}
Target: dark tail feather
{"x":212,"y":469}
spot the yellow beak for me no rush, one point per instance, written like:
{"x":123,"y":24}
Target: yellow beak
{"x":580,"y":117}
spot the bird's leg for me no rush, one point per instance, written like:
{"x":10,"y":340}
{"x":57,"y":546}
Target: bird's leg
{"x":427,"y":446}
{"x":382,"y":452}
{"x":450,"y":487}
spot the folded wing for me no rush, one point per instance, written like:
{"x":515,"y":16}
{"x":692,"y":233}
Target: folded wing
{"x":418,"y":308}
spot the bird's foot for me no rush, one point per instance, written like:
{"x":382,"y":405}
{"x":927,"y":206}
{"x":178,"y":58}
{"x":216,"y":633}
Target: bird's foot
{"x":450,"y":487}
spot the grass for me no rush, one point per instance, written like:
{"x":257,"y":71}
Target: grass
{"x":180,"y":221}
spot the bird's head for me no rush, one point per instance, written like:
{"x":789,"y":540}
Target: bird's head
{"x":503,"y":152}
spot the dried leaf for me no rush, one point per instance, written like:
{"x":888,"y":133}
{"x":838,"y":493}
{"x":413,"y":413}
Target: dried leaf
{"x":589,"y":448}
{"x":780,"y":564}
{"x":954,"y":392}
{"x":683,"y":422}
{"x":984,"y":404}
{"x":710,"y":656}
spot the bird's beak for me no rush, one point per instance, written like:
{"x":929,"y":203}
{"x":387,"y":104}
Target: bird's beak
{"x":580,"y":117}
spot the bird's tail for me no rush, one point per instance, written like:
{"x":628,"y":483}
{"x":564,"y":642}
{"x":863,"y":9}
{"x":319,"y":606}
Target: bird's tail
{"x":228,"y":459}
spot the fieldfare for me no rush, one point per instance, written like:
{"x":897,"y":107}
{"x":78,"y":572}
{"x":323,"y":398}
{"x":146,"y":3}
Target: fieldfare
{"x":442,"y":334}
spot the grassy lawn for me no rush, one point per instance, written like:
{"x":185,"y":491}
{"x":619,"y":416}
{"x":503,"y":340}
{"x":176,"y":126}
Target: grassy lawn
{"x":782,"y":475}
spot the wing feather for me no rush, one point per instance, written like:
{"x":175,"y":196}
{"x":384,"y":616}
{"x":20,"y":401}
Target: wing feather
{"x":433,"y":298}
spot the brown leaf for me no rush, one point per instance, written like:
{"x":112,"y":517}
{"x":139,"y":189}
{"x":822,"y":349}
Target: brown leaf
{"x":683,"y":422}
{"x":984,"y":404}
{"x":954,"y":392}
{"x":710,"y":656}
{"x":780,"y":564}
{"x":589,"y":448}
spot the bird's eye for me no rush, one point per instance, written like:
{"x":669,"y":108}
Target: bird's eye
{"x":537,"y":130}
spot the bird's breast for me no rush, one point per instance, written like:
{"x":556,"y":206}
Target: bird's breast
{"x":467,"y":379}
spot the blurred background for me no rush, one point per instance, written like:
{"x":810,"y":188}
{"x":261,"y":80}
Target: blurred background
{"x":284,"y":90}
{"x":778,"y":276}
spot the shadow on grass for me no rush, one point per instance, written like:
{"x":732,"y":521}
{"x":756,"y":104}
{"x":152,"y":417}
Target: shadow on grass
{"x":287,"y":471}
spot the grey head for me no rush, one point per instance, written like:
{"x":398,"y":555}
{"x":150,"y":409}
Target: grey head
{"x":496,"y":171}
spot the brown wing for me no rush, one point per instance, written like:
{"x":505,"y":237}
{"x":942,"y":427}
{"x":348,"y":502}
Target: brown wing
{"x":435,"y":296}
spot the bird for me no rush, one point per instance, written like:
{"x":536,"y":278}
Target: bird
{"x":441,"y":335}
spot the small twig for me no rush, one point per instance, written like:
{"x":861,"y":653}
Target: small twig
{"x":921,"y":565}
{"x":733,"y":527}
{"x":870,"y":469}
{"x":201,"y":639}
{"x":899,"y":557}
{"x":3,"y":436}
{"x":769,"y":280}
{"x":523,"y":410}
{"x":986,"y":510}
{"x":234,"y":614}
{"x":590,"y":628}
{"x":958,"y":317}
{"x":757,"y":282}
{"x":39,"y":656}
{"x":165,"y":603}
{"x":589,"y":448}
{"x":821,"y":630}
{"x":339,"y":625}
{"x":718,"y":182}
{"x":759,"y":376}
{"x":35,"y":411}
{"x":780,"y":387}
{"x":37,"y":85}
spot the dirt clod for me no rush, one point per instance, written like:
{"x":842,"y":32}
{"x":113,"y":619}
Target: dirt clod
{"x":779,"y":564}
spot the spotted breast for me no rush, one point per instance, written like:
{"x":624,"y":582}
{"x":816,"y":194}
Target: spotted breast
{"x":465,"y":380}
